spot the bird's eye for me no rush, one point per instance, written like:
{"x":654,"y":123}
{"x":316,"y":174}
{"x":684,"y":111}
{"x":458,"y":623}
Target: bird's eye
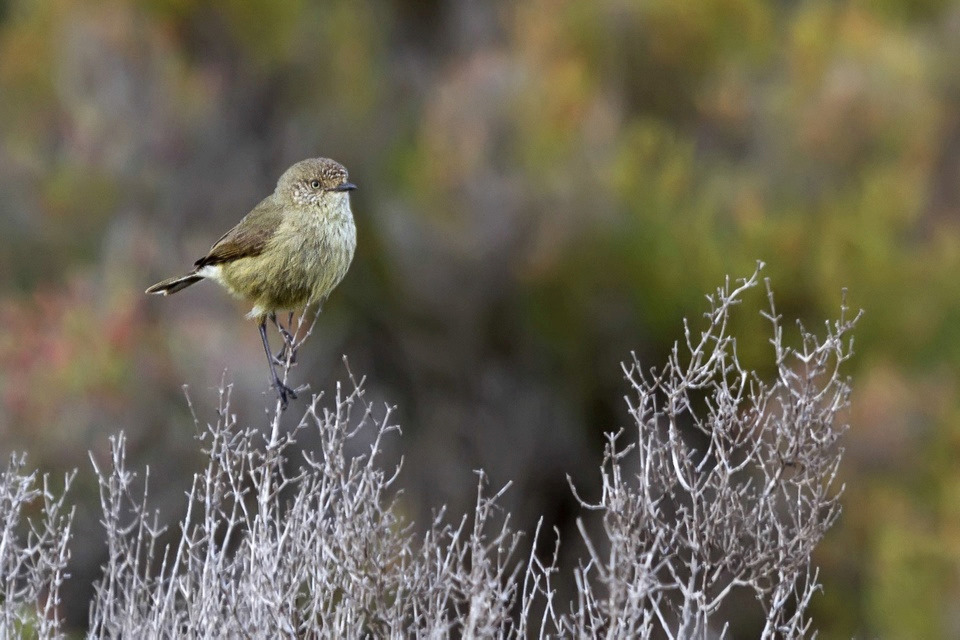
{"x":315,"y":184}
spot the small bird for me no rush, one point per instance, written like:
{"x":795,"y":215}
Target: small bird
{"x":288,"y":253}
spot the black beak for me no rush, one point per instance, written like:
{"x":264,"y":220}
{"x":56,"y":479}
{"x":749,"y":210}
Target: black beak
{"x":346,"y":186}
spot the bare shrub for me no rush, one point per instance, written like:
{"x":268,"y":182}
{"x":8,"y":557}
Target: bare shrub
{"x":726,"y":485}
{"x":319,"y":552}
{"x":734,"y":495}
{"x":33,"y":551}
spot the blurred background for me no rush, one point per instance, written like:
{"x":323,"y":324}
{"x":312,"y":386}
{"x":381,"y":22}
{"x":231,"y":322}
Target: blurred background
{"x":545,"y":187}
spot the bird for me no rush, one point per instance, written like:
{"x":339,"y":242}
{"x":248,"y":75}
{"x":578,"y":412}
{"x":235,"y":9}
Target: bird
{"x":288,"y":253}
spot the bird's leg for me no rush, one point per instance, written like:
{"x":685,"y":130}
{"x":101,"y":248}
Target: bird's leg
{"x":288,"y":341}
{"x":293,"y":339}
{"x":287,"y":336}
{"x":282,"y":390}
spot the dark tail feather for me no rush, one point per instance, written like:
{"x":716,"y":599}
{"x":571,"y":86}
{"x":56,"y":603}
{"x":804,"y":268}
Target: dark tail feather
{"x":172,"y":285}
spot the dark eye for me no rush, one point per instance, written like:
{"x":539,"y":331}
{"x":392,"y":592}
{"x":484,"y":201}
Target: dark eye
{"x":315,"y":184}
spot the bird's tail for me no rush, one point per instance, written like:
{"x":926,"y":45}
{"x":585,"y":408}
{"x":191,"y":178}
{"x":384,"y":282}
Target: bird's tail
{"x":172,"y":285}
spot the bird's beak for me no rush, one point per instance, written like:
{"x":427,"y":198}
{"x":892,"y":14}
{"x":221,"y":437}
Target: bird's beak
{"x":346,"y":186}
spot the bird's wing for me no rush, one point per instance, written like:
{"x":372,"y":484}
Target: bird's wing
{"x":248,"y":238}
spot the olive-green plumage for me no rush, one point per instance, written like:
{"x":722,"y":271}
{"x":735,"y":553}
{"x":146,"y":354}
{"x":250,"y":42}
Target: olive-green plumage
{"x":291,"y":250}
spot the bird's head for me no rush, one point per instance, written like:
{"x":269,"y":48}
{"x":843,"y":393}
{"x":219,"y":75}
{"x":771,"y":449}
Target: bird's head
{"x":314,"y":181}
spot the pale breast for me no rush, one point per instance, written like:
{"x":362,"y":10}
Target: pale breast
{"x":319,"y":248}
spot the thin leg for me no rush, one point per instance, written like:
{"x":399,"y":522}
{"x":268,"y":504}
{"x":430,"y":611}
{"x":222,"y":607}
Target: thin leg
{"x":281,"y":356}
{"x":293,"y":350}
{"x":283,"y":390}
{"x":287,"y":336}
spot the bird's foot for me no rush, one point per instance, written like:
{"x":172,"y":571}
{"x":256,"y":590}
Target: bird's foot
{"x":285,"y":393}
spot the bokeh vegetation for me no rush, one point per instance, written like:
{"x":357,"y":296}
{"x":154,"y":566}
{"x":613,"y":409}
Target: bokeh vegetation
{"x":544,"y":187}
